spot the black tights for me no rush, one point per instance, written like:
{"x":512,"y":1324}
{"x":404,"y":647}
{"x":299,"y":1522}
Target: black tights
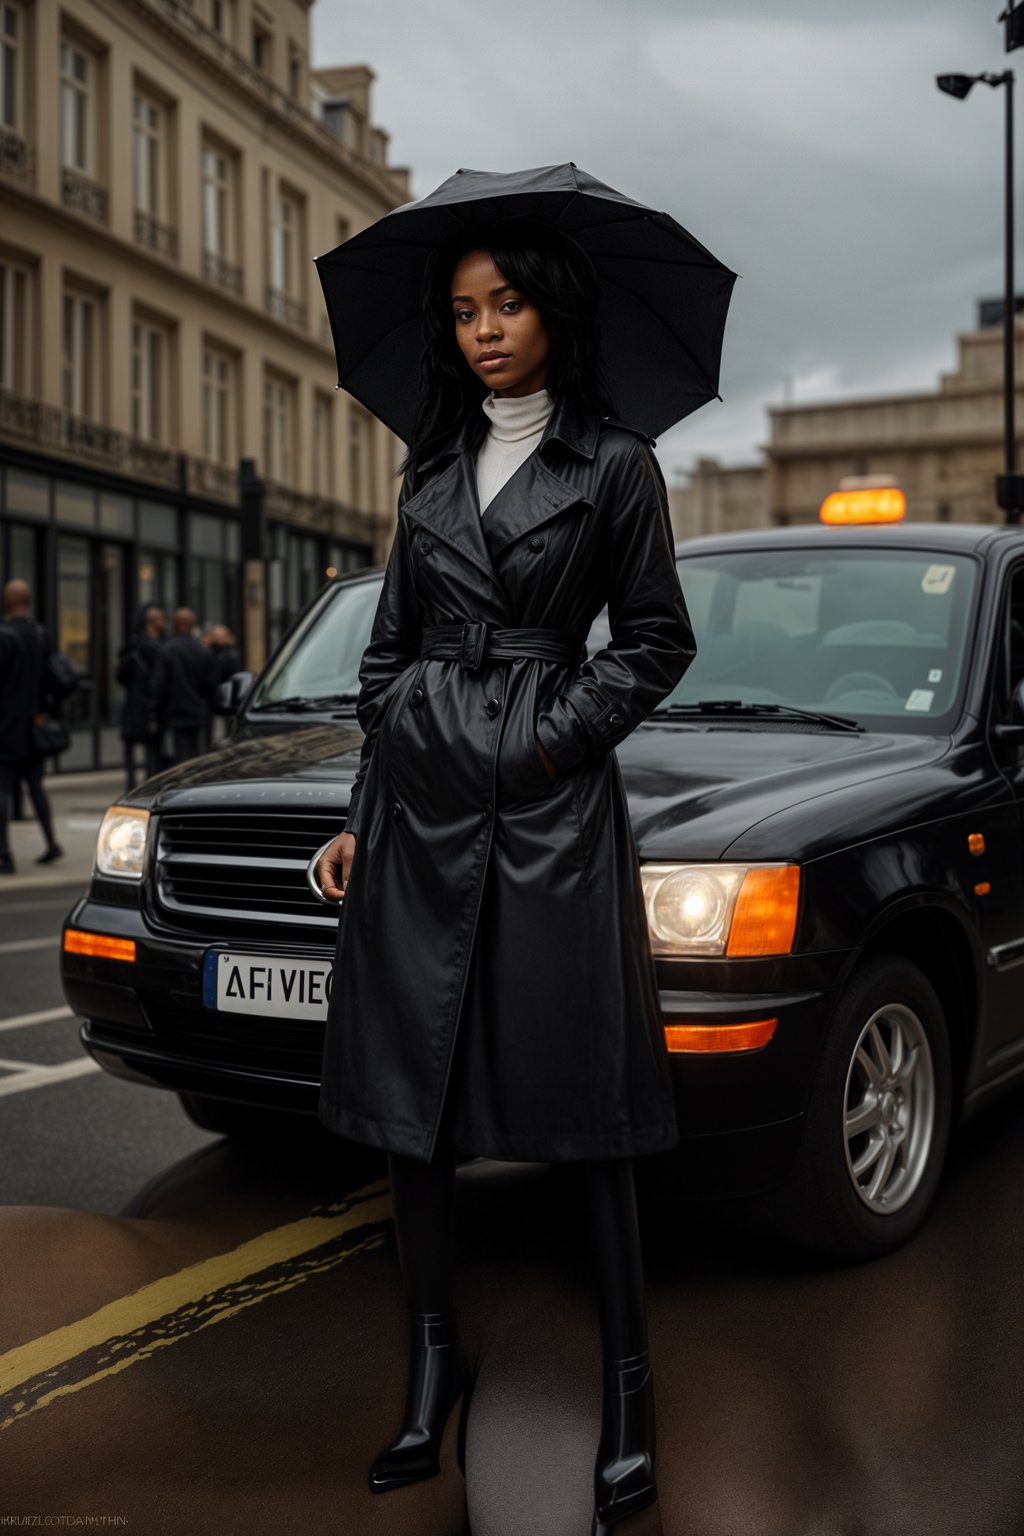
{"x":424,"y":1205}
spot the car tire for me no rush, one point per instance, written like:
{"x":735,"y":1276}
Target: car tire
{"x":854,"y":1125}
{"x":245,"y":1121}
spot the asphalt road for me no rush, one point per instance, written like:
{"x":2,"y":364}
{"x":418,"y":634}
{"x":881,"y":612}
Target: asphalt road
{"x":73,"y":1136}
{"x":204,"y":1337}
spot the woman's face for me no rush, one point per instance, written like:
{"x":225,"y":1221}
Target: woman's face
{"x":502,"y":335}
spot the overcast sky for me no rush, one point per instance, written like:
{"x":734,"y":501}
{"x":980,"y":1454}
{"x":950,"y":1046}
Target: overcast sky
{"x":803,"y":141}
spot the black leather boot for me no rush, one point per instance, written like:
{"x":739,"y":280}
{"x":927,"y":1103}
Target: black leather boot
{"x":624,"y":1486}
{"x":438,"y":1377}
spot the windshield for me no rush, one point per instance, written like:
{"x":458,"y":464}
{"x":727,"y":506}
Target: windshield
{"x":875,"y":635}
{"x":320,"y":661}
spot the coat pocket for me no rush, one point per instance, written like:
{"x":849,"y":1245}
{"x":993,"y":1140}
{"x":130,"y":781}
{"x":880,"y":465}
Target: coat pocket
{"x":521,"y":775}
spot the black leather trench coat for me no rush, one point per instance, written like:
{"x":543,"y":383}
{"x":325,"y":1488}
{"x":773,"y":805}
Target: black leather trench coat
{"x":493,"y":917}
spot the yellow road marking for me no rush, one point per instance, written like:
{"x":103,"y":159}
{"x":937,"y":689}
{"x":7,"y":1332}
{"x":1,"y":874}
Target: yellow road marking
{"x":186,"y":1289}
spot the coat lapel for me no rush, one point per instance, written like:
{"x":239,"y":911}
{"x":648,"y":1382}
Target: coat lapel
{"x":449,"y":505}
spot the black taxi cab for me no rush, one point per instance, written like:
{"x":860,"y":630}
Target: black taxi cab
{"x":827,"y":813}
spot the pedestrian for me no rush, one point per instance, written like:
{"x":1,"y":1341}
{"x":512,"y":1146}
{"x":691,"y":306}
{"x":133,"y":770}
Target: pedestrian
{"x":494,"y":991}
{"x":25,"y":701}
{"x":181,"y":688}
{"x":224,"y":648}
{"x":135,"y":663}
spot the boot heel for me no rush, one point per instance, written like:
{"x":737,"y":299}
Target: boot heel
{"x":643,"y":1522}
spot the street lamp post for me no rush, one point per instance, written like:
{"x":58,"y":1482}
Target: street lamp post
{"x":1009,"y":485}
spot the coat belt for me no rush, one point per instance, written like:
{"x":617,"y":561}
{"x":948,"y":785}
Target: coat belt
{"x":474,"y":642}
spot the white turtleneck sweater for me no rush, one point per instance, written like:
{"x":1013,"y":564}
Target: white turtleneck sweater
{"x":517,"y":426}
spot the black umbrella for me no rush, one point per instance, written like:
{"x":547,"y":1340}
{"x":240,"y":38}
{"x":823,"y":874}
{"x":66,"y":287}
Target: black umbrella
{"x":661,"y":315}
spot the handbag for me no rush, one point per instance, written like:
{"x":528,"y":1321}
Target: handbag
{"x":61,"y":677}
{"x":52,"y":737}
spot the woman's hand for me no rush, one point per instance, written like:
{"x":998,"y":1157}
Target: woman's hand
{"x":334,"y":865}
{"x":545,"y":758}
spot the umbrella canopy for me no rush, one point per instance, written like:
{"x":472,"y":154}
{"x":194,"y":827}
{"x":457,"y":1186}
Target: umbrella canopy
{"x":661,"y":314}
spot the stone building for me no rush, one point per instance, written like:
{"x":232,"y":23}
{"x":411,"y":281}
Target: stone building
{"x":168,"y":171}
{"x":943,"y":448}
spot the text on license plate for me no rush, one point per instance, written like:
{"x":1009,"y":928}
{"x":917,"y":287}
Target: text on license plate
{"x":267,"y":984}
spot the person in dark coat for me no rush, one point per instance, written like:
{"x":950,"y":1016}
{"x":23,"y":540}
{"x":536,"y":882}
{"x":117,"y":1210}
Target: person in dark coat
{"x":494,"y":990}
{"x":224,"y":648}
{"x":181,"y":689}
{"x":24,"y":651}
{"x":135,"y":664}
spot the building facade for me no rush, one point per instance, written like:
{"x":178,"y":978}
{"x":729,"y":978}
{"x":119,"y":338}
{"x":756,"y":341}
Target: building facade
{"x":168,"y":172}
{"x":943,"y":447}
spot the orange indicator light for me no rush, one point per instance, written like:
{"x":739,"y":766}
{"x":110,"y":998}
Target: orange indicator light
{"x":765,"y":917}
{"x":101,"y":945}
{"x":720,"y":1037}
{"x":982,"y":888}
{"x":976,"y":842}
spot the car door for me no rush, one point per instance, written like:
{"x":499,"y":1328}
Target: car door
{"x":1001,"y":910}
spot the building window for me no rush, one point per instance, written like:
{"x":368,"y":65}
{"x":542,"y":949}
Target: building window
{"x":15,"y":291}
{"x":218,"y":418}
{"x":342,"y":230}
{"x":150,"y":349}
{"x":261,"y":44}
{"x":323,"y":446}
{"x":81,"y":354}
{"x":218,"y":188}
{"x":78,"y":108}
{"x":278,"y":429}
{"x":12,"y":53}
{"x":283,"y":262}
{"x":150,"y":136}
{"x":222,"y":19}
{"x":294,"y":74}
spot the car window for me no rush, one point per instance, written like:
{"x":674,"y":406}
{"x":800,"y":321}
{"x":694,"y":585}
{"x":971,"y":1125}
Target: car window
{"x":879,"y":635}
{"x":321,"y":658}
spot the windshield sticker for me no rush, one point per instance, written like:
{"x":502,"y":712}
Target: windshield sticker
{"x":920,"y":698}
{"x":935,"y":675}
{"x":937,"y":578}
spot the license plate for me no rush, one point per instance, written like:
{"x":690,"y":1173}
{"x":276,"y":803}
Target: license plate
{"x":266,"y":984}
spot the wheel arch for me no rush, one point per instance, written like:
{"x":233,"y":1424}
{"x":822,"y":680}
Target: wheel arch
{"x":933,"y":935}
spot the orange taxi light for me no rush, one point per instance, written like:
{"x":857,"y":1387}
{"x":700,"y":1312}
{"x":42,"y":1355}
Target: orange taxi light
{"x":101,"y":945}
{"x":883,"y":504}
{"x":720,"y":1037}
{"x":765,"y":917}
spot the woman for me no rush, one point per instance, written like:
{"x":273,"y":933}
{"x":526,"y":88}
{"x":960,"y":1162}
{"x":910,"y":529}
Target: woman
{"x":494,"y":991}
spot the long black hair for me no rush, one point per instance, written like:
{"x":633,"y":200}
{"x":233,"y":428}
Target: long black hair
{"x":554,"y":272}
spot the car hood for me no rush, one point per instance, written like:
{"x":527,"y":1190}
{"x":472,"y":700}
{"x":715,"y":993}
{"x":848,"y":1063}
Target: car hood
{"x":694,"y":792}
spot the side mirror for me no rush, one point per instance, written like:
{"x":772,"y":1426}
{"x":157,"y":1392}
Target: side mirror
{"x":1013,"y":729}
{"x":231,"y":694}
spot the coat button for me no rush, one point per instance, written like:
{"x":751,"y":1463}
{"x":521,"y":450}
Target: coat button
{"x":614,"y":719}
{"x":416,"y":697}
{"x":425,"y":546}
{"x":536,"y":542}
{"x":492,"y":706}
{"x":396,"y":811}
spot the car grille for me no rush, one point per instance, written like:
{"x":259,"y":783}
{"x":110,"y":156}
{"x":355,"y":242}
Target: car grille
{"x":242,"y":866}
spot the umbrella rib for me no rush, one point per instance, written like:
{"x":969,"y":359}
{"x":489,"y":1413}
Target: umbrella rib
{"x":666,"y":327}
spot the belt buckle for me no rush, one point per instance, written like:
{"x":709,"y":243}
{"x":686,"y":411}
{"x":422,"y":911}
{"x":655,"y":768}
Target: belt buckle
{"x":471,"y":648}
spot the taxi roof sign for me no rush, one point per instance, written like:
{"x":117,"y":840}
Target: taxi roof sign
{"x":865,"y":504}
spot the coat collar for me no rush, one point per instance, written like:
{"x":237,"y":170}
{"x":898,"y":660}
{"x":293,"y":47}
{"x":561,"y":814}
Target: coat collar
{"x":568,"y":423}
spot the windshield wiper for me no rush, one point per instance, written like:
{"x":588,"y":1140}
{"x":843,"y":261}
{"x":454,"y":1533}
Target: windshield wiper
{"x":712,"y":707}
{"x":298,"y":703}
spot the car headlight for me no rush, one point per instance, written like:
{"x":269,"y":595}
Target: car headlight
{"x":721,"y":909}
{"x":121,"y":843}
